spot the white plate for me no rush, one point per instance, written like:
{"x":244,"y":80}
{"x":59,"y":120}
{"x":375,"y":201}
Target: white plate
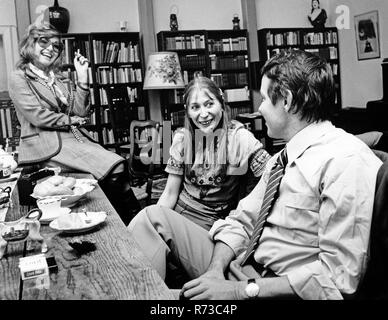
{"x":69,"y":201}
{"x":48,"y":217}
{"x":94,"y":218}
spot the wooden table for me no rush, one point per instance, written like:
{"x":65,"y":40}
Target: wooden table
{"x":117,"y":269}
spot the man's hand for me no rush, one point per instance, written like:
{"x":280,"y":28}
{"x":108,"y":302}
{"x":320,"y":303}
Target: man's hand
{"x":206,"y":288}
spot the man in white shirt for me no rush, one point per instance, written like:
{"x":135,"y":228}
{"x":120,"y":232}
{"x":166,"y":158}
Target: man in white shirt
{"x":314,"y":244}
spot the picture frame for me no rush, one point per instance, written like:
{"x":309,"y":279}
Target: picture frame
{"x":367,"y":35}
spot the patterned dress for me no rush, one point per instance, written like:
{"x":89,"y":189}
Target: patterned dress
{"x":211,"y":190}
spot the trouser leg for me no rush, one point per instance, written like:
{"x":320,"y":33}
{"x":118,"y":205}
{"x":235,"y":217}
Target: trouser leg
{"x":117,"y":188}
{"x":163,"y":234}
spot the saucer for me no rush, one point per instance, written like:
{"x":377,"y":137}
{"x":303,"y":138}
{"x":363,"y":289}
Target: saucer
{"x":48,"y":217}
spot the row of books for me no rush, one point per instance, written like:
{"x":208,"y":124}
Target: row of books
{"x":290,"y":38}
{"x":178,"y":118}
{"x":327,"y":53}
{"x":124,"y":74}
{"x":193,"y":42}
{"x":274,"y":51}
{"x":235,"y":111}
{"x":237,"y":94}
{"x":175,"y":96}
{"x":71,"y":74}
{"x":227,"y":44}
{"x":104,"y":115}
{"x":334,"y":68}
{"x":192,"y":60}
{"x":230,"y":79}
{"x":115,"y":52}
{"x":8,"y":131}
{"x":71,"y":45}
{"x":107,"y":136}
{"x":10,"y":126}
{"x":281,"y":39}
{"x":313,"y":38}
{"x":228,"y":62}
{"x":331,"y":37}
{"x":132,"y":95}
{"x":94,"y":135}
{"x":92,"y":118}
{"x":189,"y":75}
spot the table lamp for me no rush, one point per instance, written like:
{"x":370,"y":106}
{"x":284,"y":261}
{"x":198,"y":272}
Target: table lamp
{"x":163,"y":72}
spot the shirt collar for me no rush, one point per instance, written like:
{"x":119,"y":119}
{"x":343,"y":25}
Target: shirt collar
{"x":49,"y":79}
{"x":306,"y":137}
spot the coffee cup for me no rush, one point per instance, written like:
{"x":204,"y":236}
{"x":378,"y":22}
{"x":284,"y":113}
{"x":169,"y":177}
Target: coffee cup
{"x":49,"y":206}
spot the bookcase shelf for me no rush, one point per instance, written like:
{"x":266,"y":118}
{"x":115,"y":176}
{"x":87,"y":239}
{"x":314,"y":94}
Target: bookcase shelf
{"x":116,"y":60}
{"x":223,"y":57}
{"x":321,"y":42}
{"x":128,"y":84}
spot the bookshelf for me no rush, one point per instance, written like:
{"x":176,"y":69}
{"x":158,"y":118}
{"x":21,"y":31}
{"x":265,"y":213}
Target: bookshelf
{"x":221,"y":55}
{"x":9,"y":123}
{"x":229,"y":68}
{"x":192,"y":52}
{"x":323,"y":43}
{"x":72,"y":42}
{"x":115,"y":61}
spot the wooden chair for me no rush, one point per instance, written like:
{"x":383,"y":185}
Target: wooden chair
{"x":121,"y":113}
{"x":144,"y":159}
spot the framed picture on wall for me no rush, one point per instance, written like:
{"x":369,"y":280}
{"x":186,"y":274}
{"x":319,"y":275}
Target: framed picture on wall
{"x":367,"y":35}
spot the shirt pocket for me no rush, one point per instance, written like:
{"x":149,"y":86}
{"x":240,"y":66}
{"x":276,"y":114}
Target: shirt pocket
{"x":302,"y":212}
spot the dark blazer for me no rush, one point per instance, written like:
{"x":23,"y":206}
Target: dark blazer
{"x":40,"y":115}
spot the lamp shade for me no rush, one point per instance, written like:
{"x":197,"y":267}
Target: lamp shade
{"x":163,"y":71}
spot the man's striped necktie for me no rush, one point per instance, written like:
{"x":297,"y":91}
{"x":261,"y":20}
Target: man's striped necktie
{"x":271,"y":193}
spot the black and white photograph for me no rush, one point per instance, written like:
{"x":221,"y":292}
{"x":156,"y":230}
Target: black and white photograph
{"x":367,"y":35}
{"x":193,"y":158}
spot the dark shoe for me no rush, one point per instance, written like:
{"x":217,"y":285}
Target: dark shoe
{"x":117,"y":188}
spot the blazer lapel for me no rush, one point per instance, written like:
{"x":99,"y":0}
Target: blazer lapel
{"x":44,"y":92}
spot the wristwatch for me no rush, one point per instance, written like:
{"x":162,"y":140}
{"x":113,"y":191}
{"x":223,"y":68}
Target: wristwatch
{"x":252,"y":289}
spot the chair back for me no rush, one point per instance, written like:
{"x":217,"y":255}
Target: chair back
{"x":375,"y":282}
{"x":144,"y":151}
{"x":121,"y":114}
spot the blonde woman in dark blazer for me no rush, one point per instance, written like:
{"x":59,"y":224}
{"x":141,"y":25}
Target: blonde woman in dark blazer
{"x":50,"y":113}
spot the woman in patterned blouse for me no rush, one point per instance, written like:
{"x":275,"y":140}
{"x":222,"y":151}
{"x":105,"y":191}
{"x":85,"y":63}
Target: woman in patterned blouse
{"x":210,"y":159}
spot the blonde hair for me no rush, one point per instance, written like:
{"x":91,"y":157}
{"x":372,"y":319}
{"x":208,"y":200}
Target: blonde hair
{"x":26,"y":45}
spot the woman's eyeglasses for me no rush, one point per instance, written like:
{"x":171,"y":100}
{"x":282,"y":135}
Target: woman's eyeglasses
{"x":45,"y":42}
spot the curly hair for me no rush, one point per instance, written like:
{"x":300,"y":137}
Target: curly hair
{"x":308,"y":77}
{"x":26,"y":45}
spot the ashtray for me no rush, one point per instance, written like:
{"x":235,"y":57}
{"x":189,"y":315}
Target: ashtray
{"x":82,"y":245}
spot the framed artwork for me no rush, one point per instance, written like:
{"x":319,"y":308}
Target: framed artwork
{"x":367,"y":35}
